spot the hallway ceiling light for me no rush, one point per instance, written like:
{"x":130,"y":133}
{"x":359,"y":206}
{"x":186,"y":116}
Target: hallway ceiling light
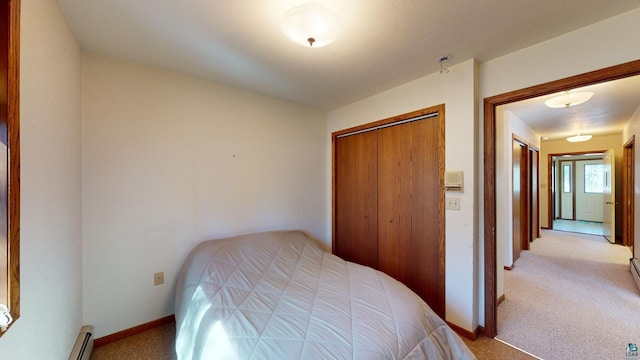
{"x":579,"y":138}
{"x":311,"y":25}
{"x":569,"y":99}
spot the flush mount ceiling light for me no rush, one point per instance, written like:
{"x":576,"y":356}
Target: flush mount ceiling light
{"x":311,"y":25}
{"x":579,"y":138}
{"x":569,"y":99}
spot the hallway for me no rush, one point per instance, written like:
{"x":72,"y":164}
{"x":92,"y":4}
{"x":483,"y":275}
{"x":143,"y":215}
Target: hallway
{"x":571,"y":297}
{"x":578,"y":226}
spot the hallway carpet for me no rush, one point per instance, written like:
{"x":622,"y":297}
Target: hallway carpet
{"x":571,"y":296}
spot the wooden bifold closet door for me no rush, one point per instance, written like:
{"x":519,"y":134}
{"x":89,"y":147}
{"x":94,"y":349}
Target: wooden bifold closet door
{"x":389,"y":200}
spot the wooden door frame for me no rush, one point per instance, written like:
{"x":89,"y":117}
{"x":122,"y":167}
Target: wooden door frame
{"x":525,"y":172}
{"x":10,"y":129}
{"x":628,"y":193}
{"x":534,"y":199}
{"x":490,"y":104}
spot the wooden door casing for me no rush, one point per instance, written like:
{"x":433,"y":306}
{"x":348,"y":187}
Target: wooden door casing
{"x":535,"y":196}
{"x":520,"y":196}
{"x":628,"y":193}
{"x":525,"y":217}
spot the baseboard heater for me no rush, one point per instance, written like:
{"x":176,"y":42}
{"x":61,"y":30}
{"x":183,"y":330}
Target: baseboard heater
{"x":84,"y":344}
{"x":635,"y":270}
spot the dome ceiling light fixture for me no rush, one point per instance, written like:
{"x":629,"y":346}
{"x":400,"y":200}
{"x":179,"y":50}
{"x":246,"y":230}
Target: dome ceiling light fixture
{"x":311,"y":25}
{"x":568,"y":99}
{"x":579,"y":138}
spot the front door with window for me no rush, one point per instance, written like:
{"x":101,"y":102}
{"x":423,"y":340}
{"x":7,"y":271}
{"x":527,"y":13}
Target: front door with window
{"x":589,"y":188}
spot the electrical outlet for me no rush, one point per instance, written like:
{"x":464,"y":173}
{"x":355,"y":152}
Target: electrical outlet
{"x":453,"y":203}
{"x":158,"y":278}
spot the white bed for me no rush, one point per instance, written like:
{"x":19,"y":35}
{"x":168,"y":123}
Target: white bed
{"x":277,"y":295}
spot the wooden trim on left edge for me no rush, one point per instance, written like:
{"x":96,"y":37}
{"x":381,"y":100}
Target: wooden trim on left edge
{"x":466,"y":333}
{"x":133,"y":331}
{"x":13,"y":230}
{"x":10,"y":58}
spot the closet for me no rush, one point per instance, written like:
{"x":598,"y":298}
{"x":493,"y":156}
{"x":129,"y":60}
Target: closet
{"x":388,"y":199}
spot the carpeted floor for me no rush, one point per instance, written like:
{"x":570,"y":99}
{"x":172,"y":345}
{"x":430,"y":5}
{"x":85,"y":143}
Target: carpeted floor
{"x":571,"y":297}
{"x":158,"y":344}
{"x":155,"y":344}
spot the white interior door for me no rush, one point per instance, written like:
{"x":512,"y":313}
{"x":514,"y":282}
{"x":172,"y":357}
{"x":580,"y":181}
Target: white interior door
{"x":608,"y":197}
{"x":566,"y":190}
{"x":589,"y":189}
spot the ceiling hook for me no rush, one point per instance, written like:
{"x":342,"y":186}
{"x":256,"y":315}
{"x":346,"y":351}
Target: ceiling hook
{"x":441,"y":60}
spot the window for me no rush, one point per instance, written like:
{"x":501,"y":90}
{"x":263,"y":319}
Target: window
{"x":594,"y":178}
{"x":566,"y":178}
{"x":9,"y":162}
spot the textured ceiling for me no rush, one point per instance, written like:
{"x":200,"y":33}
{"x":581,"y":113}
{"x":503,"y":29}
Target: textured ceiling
{"x":384,"y":43}
{"x":607,"y":112}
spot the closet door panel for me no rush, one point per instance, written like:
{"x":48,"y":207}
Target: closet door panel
{"x":394,"y":199}
{"x":425,"y":255}
{"x":355,"y":198}
{"x":411,"y":207}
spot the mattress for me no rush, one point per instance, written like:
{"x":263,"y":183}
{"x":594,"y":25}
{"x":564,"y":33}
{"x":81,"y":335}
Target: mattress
{"x":278,"y":295}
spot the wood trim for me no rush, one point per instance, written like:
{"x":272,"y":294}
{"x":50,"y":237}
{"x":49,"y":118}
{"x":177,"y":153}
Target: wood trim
{"x":550,"y":199}
{"x":14,"y":158}
{"x":490,"y":256}
{"x":10,"y":117}
{"x":536,"y":214}
{"x":501,"y":299}
{"x":133,"y":331}
{"x":391,"y":120}
{"x":628,"y":192}
{"x":490,"y":103}
{"x":509,"y":268}
{"x":471,"y":335}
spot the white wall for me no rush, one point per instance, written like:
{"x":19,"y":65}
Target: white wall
{"x":159,"y":172}
{"x":633,"y":129}
{"x":594,"y":47}
{"x":50,"y":226}
{"x":169,"y":161}
{"x":507,"y":125}
{"x":456,"y":90}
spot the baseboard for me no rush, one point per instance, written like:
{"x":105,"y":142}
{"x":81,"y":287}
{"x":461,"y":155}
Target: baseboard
{"x":466,"y":333}
{"x":133,"y":331}
{"x":500,"y":300}
{"x":509,"y":267}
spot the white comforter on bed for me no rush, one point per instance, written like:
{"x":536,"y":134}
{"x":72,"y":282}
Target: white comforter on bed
{"x":277,"y":295}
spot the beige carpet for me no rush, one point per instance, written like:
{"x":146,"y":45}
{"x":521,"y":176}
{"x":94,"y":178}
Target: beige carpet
{"x":158,"y":344}
{"x":155,"y":344}
{"x":571,"y":297}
